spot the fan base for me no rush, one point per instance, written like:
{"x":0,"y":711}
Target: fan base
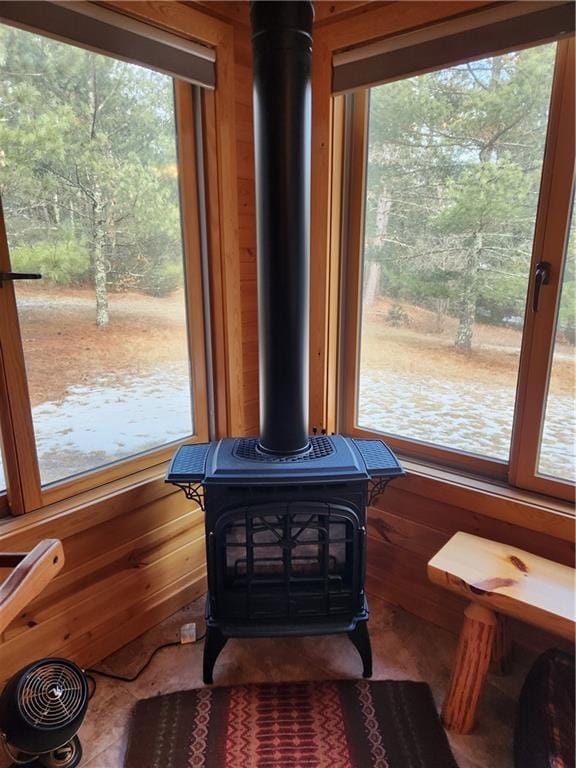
{"x":68,"y":755}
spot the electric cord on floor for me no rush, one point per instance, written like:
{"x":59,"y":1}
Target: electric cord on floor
{"x":92,"y":679}
{"x":124,"y":679}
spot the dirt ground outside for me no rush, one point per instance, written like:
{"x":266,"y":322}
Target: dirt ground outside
{"x":415,"y":383}
{"x":101,"y":394}
{"x":64,"y":347}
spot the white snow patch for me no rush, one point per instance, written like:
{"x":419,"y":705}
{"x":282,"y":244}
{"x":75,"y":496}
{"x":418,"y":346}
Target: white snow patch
{"x":463,"y":415}
{"x":111,"y":420}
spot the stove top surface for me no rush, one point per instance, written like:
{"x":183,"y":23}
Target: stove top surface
{"x":239,"y":460}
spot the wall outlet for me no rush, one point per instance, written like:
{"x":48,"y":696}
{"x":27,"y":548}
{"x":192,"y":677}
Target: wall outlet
{"x":188,"y":633}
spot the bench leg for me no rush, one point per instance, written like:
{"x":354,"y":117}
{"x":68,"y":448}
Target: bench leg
{"x":502,"y":647}
{"x":470,"y":668}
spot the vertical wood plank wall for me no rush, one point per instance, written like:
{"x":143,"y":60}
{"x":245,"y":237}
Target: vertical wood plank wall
{"x":237,"y":13}
{"x":247,"y":226}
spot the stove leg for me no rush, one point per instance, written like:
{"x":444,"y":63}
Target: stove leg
{"x":213,"y":644}
{"x":361,"y":640}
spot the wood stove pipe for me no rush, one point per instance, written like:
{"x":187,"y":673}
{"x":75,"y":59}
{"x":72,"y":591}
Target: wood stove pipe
{"x":282,"y":51}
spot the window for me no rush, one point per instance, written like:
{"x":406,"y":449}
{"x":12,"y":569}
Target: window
{"x":446,"y":237}
{"x":91,"y":200}
{"x":557,"y":447}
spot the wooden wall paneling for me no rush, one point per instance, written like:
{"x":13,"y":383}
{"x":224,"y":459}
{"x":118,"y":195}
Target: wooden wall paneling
{"x":320,"y":229}
{"x":247,"y":233}
{"x":239,"y":274}
{"x":251,"y":363}
{"x":60,"y":520}
{"x":425,"y":522}
{"x":416,"y":601}
{"x":236,"y":12}
{"x":245,"y":159}
{"x":180,"y":18}
{"x":376,"y":21}
{"x":134,"y":619}
{"x":41,"y":611}
{"x":227,"y":205}
{"x":253,"y":419}
{"x":247,"y":205}
{"x":538,"y":514}
{"x":81,"y":603}
{"x":243,"y":83}
{"x":326,"y":11}
{"x":247,"y":228}
{"x":105,"y":560}
{"x":244,"y":124}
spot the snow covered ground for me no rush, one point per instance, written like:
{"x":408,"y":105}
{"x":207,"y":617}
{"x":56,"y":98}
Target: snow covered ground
{"x":111,"y":420}
{"x":472,"y":417}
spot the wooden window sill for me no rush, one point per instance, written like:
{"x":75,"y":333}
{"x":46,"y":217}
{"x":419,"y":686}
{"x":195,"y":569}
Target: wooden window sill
{"x":130,"y":492}
{"x":489,"y":497}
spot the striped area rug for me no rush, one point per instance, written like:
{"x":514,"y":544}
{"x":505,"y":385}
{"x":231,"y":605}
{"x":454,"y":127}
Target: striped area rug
{"x":349,"y":724}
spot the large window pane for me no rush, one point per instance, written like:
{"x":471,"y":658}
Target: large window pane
{"x":90,"y":189}
{"x":557,"y":448}
{"x":454,"y":166}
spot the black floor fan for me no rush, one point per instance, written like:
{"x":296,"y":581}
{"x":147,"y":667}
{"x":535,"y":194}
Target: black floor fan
{"x":41,"y":710}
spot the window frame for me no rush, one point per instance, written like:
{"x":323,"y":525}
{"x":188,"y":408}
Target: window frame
{"x":550,"y":244}
{"x":538,"y":331}
{"x":24,"y":490}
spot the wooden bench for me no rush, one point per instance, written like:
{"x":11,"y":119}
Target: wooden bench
{"x":500,"y":581}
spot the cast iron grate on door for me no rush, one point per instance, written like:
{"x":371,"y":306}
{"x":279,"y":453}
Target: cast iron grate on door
{"x":288,"y":561}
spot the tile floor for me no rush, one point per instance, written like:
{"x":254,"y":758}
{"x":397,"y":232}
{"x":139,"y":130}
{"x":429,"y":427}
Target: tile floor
{"x":404,"y":647}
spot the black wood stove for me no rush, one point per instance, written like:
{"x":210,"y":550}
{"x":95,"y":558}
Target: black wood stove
{"x":285,"y":512}
{"x":285,"y":536}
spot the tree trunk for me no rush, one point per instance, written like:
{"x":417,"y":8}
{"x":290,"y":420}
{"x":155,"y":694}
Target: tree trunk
{"x":371,"y":283}
{"x":56,"y":209}
{"x":440,"y":309}
{"x":469,"y":296}
{"x":99,"y":261}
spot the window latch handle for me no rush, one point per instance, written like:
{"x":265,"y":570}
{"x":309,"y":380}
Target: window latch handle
{"x":18,"y":276}
{"x":541,"y":277}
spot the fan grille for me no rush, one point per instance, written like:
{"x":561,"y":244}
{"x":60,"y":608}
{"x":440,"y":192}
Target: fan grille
{"x":52,"y":695}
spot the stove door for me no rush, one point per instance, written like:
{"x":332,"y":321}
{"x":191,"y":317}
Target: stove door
{"x":284,"y":561}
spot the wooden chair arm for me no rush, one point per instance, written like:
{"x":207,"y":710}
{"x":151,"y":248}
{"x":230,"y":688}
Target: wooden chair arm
{"x":32,"y":572}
